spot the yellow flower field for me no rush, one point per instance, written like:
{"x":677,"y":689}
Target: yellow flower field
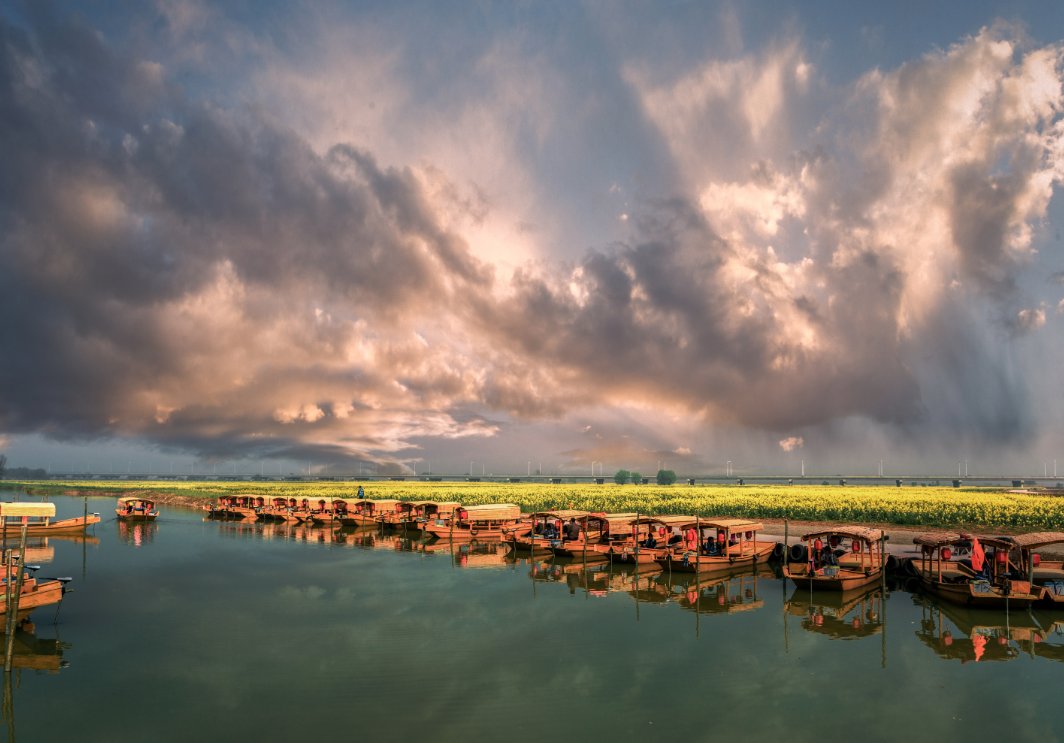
{"x":924,"y":506}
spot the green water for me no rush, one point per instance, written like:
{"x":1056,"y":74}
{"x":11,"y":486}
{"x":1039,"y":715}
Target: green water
{"x":194,"y":630}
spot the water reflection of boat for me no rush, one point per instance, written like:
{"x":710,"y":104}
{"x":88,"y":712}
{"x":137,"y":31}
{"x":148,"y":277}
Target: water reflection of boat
{"x":135,"y":508}
{"x":721,"y":594}
{"x":471,"y":554}
{"x":841,"y":558}
{"x":977,"y":634}
{"x":1050,"y":645}
{"x":37,"y":653}
{"x":840,"y":615}
{"x":137,"y":533}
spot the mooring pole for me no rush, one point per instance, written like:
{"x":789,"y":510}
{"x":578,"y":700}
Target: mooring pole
{"x":883,"y":592}
{"x":786,"y":543}
{"x":14,"y":601}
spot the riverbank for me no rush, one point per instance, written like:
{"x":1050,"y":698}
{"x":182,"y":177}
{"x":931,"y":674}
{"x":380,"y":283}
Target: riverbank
{"x":908,"y":508}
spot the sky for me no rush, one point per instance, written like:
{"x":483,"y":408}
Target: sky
{"x":515,"y":237}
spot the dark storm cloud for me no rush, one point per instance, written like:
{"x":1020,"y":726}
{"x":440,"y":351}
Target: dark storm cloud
{"x":150,"y":243}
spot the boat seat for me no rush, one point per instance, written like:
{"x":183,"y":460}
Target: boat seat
{"x":952,"y":575}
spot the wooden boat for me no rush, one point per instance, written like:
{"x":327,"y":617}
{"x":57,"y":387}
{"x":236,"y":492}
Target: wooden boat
{"x":136,"y":508}
{"x":422,"y":512}
{"x":992,"y":587}
{"x":232,"y":507}
{"x":306,"y":510}
{"x":841,"y":558}
{"x":597,"y":533}
{"x":279,"y":508}
{"x":714,"y":545}
{"x":367,"y":512}
{"x":371,"y":512}
{"x":1048,"y":575}
{"x":476,"y":522}
{"x":43,"y":527}
{"x":535,"y":535}
{"x":34,"y":592}
{"x":649,"y":538}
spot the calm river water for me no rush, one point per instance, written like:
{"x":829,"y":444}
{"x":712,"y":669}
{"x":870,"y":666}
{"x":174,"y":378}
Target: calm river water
{"x":194,"y":630}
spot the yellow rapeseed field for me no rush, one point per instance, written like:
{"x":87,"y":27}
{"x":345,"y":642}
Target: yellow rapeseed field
{"x":908,"y":505}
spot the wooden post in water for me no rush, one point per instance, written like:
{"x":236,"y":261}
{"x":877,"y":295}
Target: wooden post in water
{"x":585,"y":543}
{"x":14,"y":601}
{"x":698,"y":575}
{"x":7,"y":588}
{"x":786,"y":544}
{"x":883,"y":593}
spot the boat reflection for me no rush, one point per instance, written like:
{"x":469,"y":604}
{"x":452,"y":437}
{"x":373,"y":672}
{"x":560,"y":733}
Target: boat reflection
{"x":1049,"y":644}
{"x":36,"y":653}
{"x":471,"y":554}
{"x":137,"y":533}
{"x":843,"y":615}
{"x":723,"y":594}
{"x":977,"y":635}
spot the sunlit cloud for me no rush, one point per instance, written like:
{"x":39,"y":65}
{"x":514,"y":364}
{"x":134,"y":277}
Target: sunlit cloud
{"x":368,"y":257}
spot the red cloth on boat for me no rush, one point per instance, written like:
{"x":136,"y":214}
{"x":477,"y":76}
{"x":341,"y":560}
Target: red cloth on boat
{"x":978,"y":556}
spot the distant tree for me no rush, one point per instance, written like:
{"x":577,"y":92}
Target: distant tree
{"x":3,"y":465}
{"x":622,"y":477}
{"x":666,"y":477}
{"x":637,"y":479}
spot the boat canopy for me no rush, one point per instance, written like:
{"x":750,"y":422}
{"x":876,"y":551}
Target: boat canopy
{"x":946,"y":538}
{"x":24,"y":508}
{"x":735,"y":525}
{"x":862,"y":533}
{"x":562,"y":514}
{"x":1038,"y":539}
{"x":677,"y":521}
{"x":136,"y":499}
{"x":490,"y":512}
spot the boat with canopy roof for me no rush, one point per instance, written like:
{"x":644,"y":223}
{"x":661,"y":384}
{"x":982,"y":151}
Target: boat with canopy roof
{"x":840,"y":558}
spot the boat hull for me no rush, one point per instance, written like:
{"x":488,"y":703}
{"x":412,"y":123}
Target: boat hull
{"x":63,"y":526}
{"x":706,"y":564}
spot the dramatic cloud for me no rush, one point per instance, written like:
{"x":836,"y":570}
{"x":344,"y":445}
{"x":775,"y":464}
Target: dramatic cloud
{"x":234,"y":280}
